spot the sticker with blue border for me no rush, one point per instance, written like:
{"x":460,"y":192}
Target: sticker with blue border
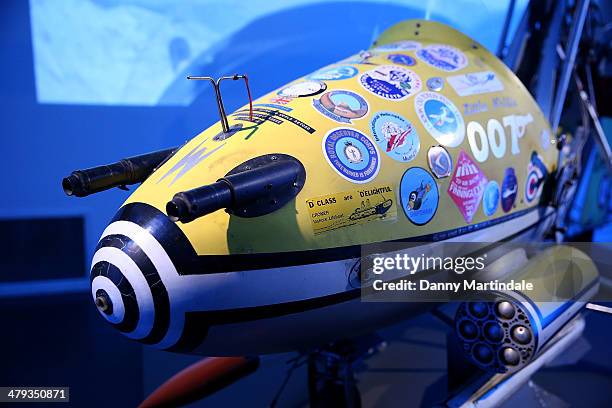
{"x":443,"y":57}
{"x":441,"y":118}
{"x":490,"y":198}
{"x":440,"y":161}
{"x":395,"y":135}
{"x":509,"y":189}
{"x":352,"y":154}
{"x":391,"y":82}
{"x":406,"y":45}
{"x":401,"y":59}
{"x":334,"y":73}
{"x":302,"y":89}
{"x":341,"y":105}
{"x":419,"y":195}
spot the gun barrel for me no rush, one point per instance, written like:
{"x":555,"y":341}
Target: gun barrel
{"x":247,"y":193}
{"x":132,"y":170}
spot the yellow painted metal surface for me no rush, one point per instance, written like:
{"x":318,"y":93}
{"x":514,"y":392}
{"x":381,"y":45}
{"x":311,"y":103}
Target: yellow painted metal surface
{"x":502,"y":127}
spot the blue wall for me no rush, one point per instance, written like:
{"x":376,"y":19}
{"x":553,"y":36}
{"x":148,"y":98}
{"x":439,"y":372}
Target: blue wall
{"x":61,"y":62}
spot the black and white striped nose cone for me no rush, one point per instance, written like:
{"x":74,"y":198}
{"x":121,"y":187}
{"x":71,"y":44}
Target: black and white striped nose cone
{"x":149,"y":283}
{"x":129,"y":276}
{"x":121,"y":282}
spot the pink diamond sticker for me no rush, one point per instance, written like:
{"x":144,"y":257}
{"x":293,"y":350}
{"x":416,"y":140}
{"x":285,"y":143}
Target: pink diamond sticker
{"x":467,"y":186}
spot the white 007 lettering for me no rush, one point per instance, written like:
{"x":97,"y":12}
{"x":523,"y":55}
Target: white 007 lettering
{"x":493,"y":138}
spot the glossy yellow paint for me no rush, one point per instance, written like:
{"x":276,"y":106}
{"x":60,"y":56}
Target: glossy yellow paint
{"x":290,"y":228}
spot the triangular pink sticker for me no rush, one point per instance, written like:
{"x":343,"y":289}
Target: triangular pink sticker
{"x":467,"y":186}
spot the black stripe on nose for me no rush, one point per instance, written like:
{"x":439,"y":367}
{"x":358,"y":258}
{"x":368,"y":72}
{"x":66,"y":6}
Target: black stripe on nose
{"x":130,"y":318}
{"x":161,"y":300}
{"x":167,"y":233}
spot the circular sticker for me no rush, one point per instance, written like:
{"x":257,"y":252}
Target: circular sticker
{"x":490,"y":199}
{"x":401,"y":59}
{"x":334,"y":73}
{"x":304,"y":88}
{"x":395,"y":135}
{"x":351,"y":154}
{"x":341,"y":105}
{"x":440,"y":161}
{"x":418,"y":195}
{"x":435,"y":84}
{"x":391,"y":82}
{"x":443,"y":57}
{"x":536,"y":174}
{"x":441,"y":118}
{"x":508,"y":189}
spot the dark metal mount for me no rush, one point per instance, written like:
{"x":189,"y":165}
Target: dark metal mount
{"x":125,"y":172}
{"x":256,"y":187}
{"x":571,"y":49}
{"x":217,"y":87}
{"x":600,"y":135}
{"x":540,"y":57}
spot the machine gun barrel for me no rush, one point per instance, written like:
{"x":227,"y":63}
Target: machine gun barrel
{"x":244,"y":193}
{"x":125,"y":172}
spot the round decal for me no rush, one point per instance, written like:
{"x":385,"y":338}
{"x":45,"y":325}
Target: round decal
{"x":418,"y":195}
{"x":391,"y":82}
{"x":536,"y":174}
{"x":490,"y":199}
{"x":351,"y":154}
{"x":508,"y":189}
{"x":441,"y":118}
{"x":401,"y":59}
{"x":395,"y":135}
{"x":341,"y":105}
{"x":304,"y":88}
{"x":440,"y":162}
{"x":443,"y":57}
{"x":435,"y":84}
{"x":399,"y":46}
{"x":334,"y":73}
